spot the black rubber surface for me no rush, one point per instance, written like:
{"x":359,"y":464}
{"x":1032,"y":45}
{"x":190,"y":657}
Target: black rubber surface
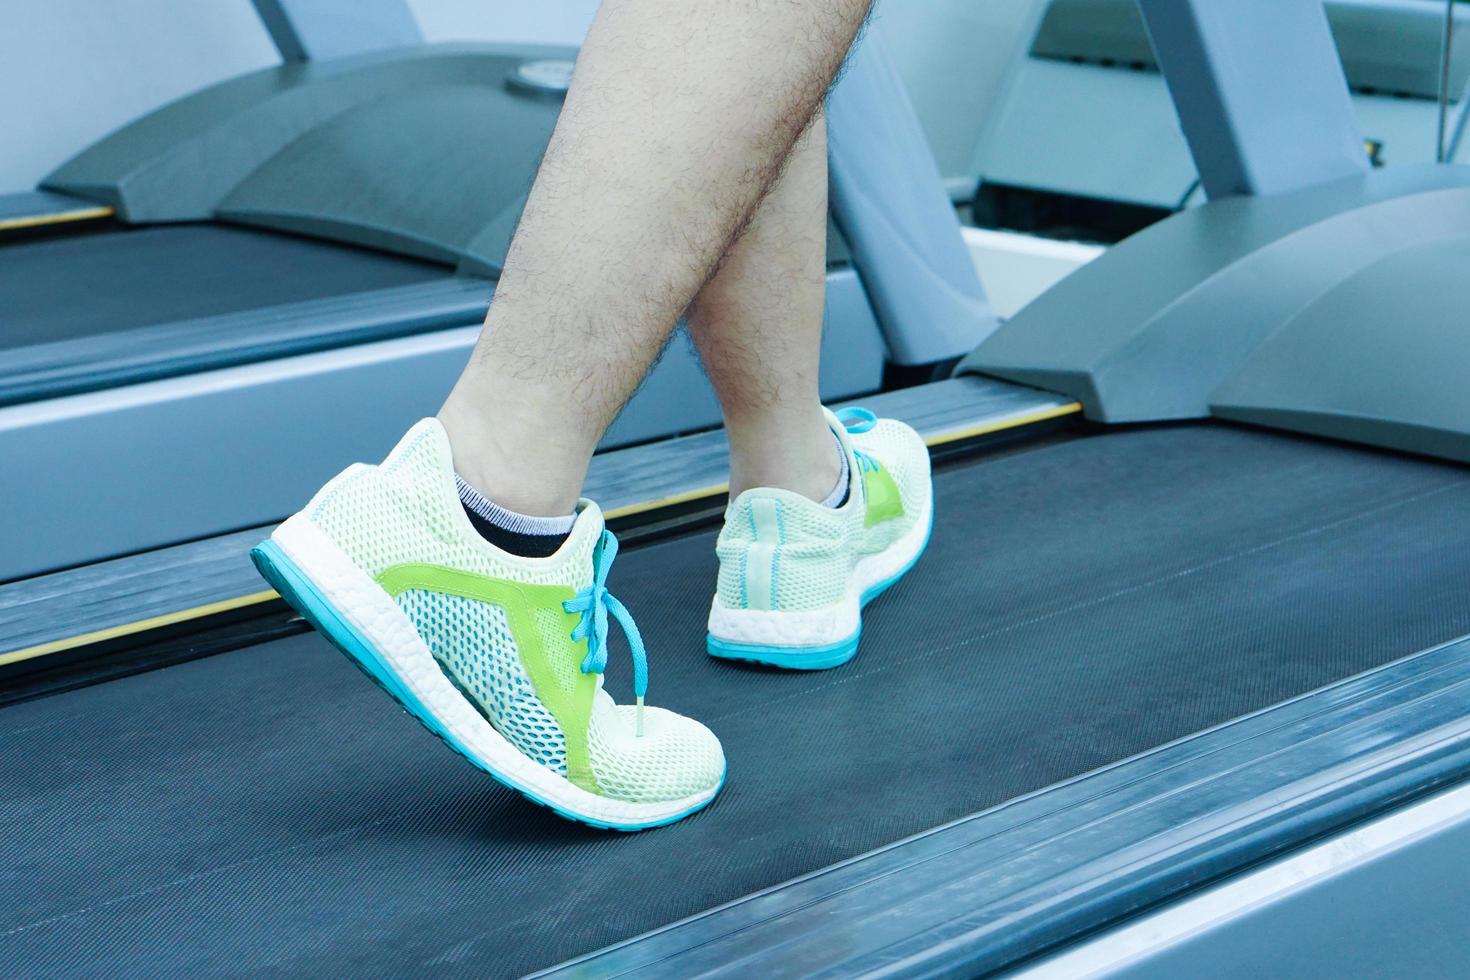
{"x":79,"y":286}
{"x":271,"y":811}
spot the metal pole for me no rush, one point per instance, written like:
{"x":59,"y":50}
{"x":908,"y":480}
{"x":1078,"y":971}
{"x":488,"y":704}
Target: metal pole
{"x":315,"y":30}
{"x":1446,"y":39}
{"x":1259,"y":90}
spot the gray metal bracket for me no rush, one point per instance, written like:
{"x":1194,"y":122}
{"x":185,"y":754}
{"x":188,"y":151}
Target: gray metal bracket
{"x":888,"y":198}
{"x":315,"y":30}
{"x":1260,"y":92}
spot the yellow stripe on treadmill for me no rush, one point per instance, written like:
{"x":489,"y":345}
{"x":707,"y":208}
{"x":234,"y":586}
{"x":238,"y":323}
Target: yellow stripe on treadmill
{"x":1000,"y":425}
{"x":141,"y":626}
{"x":628,"y":510}
{"x":54,"y":218}
{"x":674,"y":499}
{"x":954,"y":435}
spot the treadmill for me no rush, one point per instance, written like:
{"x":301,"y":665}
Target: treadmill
{"x":1181,"y":687}
{"x":329,"y":230}
{"x":1085,"y":142}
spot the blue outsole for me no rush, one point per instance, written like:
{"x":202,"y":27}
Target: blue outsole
{"x":821,"y":657}
{"x":298,"y":591}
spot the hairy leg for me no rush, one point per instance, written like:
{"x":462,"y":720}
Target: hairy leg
{"x":758,"y":326}
{"x":677,"y":122}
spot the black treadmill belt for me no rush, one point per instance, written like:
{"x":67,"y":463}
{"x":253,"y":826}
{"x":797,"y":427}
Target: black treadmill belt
{"x":271,"y":811}
{"x":80,"y":286}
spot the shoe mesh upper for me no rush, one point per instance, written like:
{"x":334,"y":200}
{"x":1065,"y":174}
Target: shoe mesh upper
{"x":902,"y":452}
{"x":550,"y":628}
{"x":820,"y":546}
{"x":675,"y":758}
{"x":405,"y":511}
{"x":474,"y":641}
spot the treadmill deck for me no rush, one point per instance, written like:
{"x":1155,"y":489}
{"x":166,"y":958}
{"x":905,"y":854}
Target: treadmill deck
{"x":1079,"y":603}
{"x":80,"y":286}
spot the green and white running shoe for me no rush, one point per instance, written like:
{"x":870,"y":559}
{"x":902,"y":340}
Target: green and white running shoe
{"x":795,"y":575}
{"x":500,"y":656}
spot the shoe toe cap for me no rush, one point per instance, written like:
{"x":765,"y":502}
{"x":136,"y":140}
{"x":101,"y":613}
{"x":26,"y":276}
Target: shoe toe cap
{"x":675,"y":757}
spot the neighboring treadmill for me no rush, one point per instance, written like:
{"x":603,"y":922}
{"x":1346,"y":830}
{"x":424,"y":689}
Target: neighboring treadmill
{"x":1205,"y":673}
{"x":1085,"y":143}
{"x":309,"y":248}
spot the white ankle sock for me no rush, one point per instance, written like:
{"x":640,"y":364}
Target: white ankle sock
{"x":838,"y":496}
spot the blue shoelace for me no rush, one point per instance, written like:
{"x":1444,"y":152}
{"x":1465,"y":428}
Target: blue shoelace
{"x":594,"y":603}
{"x":856,"y":420}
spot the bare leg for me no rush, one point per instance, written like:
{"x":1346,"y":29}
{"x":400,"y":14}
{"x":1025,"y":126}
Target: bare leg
{"x":758,"y":326}
{"x":678,"y":120}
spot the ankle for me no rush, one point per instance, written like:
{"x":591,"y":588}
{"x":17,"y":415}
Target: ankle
{"x":803,"y":458}
{"x":528,"y":470}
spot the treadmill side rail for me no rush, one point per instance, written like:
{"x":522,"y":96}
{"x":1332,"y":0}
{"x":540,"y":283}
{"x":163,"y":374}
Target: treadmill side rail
{"x":992,"y":890}
{"x":74,"y":608}
{"x":203,"y":453}
{"x":1318,"y":912}
{"x":38,"y":209}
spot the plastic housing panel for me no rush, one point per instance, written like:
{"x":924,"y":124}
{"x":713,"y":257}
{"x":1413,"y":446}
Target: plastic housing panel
{"x":1155,"y":325}
{"x":179,"y":162}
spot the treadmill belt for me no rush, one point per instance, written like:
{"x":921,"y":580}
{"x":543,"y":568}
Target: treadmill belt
{"x":271,"y":811}
{"x":84,"y":285}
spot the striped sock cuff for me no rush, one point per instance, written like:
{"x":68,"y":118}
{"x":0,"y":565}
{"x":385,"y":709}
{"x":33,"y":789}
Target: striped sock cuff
{"x":509,"y":520}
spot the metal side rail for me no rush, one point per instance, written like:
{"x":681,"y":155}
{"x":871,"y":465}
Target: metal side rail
{"x":96,"y":362}
{"x":42,"y":209}
{"x":996,"y":889}
{"x":128,"y":596}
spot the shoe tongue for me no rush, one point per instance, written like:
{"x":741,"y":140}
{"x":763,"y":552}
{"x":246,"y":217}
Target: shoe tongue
{"x":609,"y":718}
{"x":603,"y":701}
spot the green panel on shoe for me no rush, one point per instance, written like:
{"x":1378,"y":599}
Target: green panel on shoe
{"x":881,"y":494}
{"x":572,"y":709}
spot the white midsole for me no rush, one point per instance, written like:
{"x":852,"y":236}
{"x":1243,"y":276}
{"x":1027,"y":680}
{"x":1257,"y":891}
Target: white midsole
{"x":826,"y":624}
{"x":373,"y":613}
